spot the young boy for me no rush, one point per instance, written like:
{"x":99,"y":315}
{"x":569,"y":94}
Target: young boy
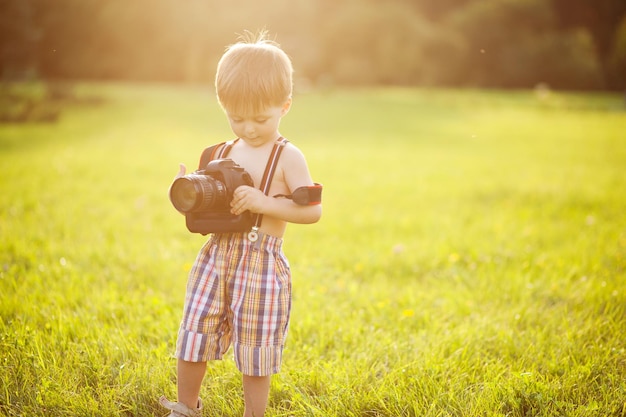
{"x":239,"y":288}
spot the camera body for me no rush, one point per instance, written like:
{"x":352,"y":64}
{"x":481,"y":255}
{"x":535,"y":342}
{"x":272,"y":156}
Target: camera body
{"x":204,"y":198}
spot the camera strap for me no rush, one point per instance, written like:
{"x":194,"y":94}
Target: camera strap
{"x":308,"y":195}
{"x":218,"y":151}
{"x":221,"y":151}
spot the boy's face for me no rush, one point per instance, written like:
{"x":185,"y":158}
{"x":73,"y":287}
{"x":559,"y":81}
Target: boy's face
{"x":259,"y":128}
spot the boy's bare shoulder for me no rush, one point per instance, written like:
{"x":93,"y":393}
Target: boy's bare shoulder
{"x":294,"y":167}
{"x":292,"y":152}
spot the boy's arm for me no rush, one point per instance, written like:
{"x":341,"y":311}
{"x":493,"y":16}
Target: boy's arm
{"x":287,"y":210}
{"x":296,"y":174}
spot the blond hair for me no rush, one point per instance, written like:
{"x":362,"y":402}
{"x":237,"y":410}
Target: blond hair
{"x":253,"y":74}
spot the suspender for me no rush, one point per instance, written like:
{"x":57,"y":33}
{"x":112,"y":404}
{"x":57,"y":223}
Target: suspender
{"x":219,"y":152}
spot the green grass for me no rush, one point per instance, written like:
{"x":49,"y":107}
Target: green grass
{"x":470,"y":260}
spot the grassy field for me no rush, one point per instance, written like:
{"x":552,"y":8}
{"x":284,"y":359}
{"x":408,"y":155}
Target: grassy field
{"x":471,"y":259}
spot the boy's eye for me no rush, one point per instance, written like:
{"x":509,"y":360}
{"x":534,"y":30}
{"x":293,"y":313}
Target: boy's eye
{"x":261,"y":120}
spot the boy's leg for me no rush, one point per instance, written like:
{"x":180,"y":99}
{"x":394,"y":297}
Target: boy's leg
{"x":256,"y":390}
{"x":190,"y":376}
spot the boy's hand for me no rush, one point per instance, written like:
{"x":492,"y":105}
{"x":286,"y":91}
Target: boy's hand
{"x":181,"y":171}
{"x":247,"y":198}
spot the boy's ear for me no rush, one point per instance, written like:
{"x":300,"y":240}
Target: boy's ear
{"x":286,"y":107}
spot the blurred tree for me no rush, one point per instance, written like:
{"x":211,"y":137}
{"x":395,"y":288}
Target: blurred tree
{"x":69,"y":28}
{"x":617,"y":59}
{"x":495,"y":43}
{"x":19,"y":35}
{"x":603,"y":19}
{"x":514,"y":43}
{"x":440,"y":9}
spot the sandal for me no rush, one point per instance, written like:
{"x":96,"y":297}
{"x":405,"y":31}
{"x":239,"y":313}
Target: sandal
{"x":180,"y":409}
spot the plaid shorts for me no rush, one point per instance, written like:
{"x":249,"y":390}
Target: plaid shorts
{"x":238,"y":291}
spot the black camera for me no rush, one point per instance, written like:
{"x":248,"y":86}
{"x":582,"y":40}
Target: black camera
{"x":204,"y":198}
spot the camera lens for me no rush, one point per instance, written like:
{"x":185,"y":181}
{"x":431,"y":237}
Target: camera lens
{"x":193,"y":193}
